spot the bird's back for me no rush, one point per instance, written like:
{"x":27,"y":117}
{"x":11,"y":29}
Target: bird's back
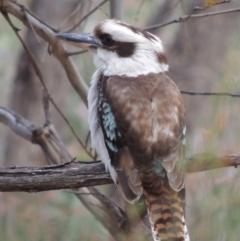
{"x":149,"y":114}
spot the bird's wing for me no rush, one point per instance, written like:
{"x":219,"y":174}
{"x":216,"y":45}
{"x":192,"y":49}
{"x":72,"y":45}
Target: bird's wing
{"x":169,"y":130}
{"x":132,"y":111}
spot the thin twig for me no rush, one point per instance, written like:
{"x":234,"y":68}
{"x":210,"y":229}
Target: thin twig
{"x":32,"y":14}
{"x":58,"y":47}
{"x":72,"y":129}
{"x":194,"y":9}
{"x":139,"y":9}
{"x":88,"y":162}
{"x":30,"y":24}
{"x":18,"y":124}
{"x":75,"y":10}
{"x":76,"y":52}
{"x":84,"y":193}
{"x":100,"y":9}
{"x":46,"y":107}
{"x":186,"y":17}
{"x":84,"y":17}
{"x":82,"y":26}
{"x":209,"y":93}
{"x":33,"y":61}
{"x":87,"y":139}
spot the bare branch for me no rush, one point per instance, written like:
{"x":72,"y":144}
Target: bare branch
{"x":17,"y":124}
{"x":205,"y":161}
{"x":46,"y":107}
{"x":139,"y":8}
{"x":47,"y":33}
{"x":31,"y":13}
{"x":85,"y":17}
{"x":74,"y":175}
{"x":186,"y":17}
{"x":75,"y":10}
{"x":52,"y":177}
{"x":209,"y":93}
{"x":76,"y":52}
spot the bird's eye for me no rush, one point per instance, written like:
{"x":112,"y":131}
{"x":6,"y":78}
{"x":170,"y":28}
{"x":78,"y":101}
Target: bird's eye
{"x":107,"y":40}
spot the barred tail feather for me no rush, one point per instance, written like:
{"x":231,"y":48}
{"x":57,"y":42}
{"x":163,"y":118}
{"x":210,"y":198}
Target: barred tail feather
{"x":166,"y":215}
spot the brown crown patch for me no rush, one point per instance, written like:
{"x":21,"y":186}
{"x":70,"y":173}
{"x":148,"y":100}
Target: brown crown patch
{"x":139,"y":31}
{"x":98,"y":30}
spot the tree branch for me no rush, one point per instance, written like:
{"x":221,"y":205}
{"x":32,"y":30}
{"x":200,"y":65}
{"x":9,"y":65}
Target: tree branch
{"x":185,"y":92}
{"x":17,"y":124}
{"x":73,"y":175}
{"x":68,"y":176}
{"x":186,"y":17}
{"x":207,"y":161}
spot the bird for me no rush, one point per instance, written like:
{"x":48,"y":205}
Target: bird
{"x":136,"y":117}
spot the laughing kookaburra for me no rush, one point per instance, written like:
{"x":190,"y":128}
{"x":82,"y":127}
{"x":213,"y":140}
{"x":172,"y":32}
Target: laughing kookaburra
{"x":136,"y":119}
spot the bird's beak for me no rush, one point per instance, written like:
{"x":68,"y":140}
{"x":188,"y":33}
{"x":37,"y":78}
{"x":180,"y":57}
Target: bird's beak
{"x":83,"y":40}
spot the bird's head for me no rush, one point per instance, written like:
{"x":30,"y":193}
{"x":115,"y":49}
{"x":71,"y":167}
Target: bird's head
{"x":121,"y":49}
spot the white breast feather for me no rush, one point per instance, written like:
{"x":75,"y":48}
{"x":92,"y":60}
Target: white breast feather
{"x":96,"y":131}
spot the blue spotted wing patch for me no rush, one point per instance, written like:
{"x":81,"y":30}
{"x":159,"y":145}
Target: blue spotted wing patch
{"x":111,"y":133}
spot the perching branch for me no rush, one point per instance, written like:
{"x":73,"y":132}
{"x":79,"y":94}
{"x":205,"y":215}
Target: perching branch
{"x":54,"y":177}
{"x":73,"y":175}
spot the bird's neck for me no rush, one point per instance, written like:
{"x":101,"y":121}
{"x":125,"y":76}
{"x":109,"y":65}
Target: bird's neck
{"x":141,"y":63}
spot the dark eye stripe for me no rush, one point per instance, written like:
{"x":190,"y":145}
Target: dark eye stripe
{"x":106,"y":39}
{"x":124,"y":49}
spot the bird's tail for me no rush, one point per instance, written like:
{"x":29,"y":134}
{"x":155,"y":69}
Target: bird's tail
{"x":166,"y":212}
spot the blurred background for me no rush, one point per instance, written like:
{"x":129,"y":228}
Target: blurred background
{"x":204,"y":55}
